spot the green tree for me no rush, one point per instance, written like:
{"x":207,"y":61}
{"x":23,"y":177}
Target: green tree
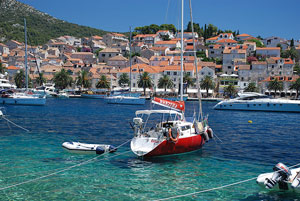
{"x":103,"y":83}
{"x":297,"y":69}
{"x":251,"y":87}
{"x":296,"y":86}
{"x":292,"y":43}
{"x":230,"y":90}
{"x":145,"y":81}
{"x":2,"y":68}
{"x":197,"y":28}
{"x":188,"y":81}
{"x":275,"y":85}
{"x":124,"y":79}
{"x":20,"y":79}
{"x":258,"y":42}
{"x":82,"y":79}
{"x":165,"y":82}
{"x":41,"y":79}
{"x":207,"y":83}
{"x":169,"y":27}
{"x":62,"y":79}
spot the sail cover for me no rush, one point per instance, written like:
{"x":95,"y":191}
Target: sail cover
{"x":176,"y":105}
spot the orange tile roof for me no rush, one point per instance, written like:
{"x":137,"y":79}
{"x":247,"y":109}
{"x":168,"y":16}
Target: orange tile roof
{"x":170,"y":42}
{"x":268,"y":48}
{"x":12,"y":68}
{"x":288,"y":61}
{"x":213,"y":38}
{"x":243,"y":35}
{"x":118,"y":34}
{"x":158,"y":48}
{"x":226,"y":41}
{"x":135,"y":69}
{"x":145,"y":35}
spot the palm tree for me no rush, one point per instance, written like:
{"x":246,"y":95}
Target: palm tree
{"x":103,"y":83}
{"x":40,"y":80}
{"x":123,"y":79}
{"x":275,"y":85}
{"x":188,"y":81}
{"x":83,"y":79}
{"x":165,"y":82}
{"x":62,"y":79}
{"x":20,"y":79}
{"x":145,"y":81}
{"x":230,"y":90}
{"x":296,"y":86}
{"x":207,"y":84}
{"x":251,"y":88}
{"x":2,"y":68}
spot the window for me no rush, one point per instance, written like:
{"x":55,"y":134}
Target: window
{"x":229,"y":67}
{"x":109,"y":55}
{"x":103,"y":55}
{"x":168,"y":73}
{"x":174,"y":73}
{"x":133,"y":85}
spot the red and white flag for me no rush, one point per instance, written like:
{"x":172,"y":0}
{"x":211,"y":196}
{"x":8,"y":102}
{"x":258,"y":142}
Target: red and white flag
{"x":176,"y":105}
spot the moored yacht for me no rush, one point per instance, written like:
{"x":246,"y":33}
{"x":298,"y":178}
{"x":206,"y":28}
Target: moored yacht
{"x":4,"y":83}
{"x":259,"y":102}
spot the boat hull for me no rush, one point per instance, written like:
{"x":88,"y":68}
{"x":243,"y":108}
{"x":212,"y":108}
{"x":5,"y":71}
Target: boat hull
{"x":165,"y":147}
{"x":94,"y":96}
{"x":271,"y":107}
{"x":23,"y":101}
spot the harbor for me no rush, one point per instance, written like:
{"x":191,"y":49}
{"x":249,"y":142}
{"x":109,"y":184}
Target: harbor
{"x":246,"y":151}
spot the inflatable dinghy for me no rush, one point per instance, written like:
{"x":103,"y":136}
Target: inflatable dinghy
{"x":78,"y":147}
{"x":282,"y":178}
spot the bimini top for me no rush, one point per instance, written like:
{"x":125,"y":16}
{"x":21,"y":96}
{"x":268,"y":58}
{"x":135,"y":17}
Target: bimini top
{"x":148,"y":112}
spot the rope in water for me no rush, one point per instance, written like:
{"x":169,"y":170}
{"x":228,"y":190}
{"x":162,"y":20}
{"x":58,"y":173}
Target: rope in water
{"x":63,"y":170}
{"x":216,"y":188}
{"x":14,"y":124}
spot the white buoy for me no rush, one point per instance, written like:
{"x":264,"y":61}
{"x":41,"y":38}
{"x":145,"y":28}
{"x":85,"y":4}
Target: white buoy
{"x":1,"y":113}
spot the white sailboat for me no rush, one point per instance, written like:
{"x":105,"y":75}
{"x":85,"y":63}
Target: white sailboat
{"x":170,"y":132}
{"x":22,"y":98}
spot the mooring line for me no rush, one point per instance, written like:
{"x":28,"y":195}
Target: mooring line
{"x":15,"y":124}
{"x":216,"y":188}
{"x":63,"y":170}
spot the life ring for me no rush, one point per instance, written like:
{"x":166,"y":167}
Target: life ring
{"x":205,"y":136}
{"x":210,"y":133}
{"x":171,"y":137}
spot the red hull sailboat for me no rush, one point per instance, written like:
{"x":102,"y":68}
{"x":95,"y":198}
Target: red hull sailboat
{"x":170,"y":132}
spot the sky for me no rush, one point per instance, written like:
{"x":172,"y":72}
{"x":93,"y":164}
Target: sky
{"x":256,"y":17}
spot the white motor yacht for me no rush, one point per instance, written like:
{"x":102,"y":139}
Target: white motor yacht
{"x":4,"y":83}
{"x":259,"y":102}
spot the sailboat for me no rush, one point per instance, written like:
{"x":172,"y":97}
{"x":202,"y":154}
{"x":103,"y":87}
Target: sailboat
{"x":126,"y":98}
{"x":170,"y":132}
{"x":22,"y":98}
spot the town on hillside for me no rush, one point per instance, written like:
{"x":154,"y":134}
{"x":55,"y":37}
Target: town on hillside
{"x":225,"y":61}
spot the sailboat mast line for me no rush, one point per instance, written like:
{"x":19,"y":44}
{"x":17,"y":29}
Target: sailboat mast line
{"x":181,"y":54}
{"x":130,"y":59}
{"x":26,"y":71}
{"x":196,"y":65}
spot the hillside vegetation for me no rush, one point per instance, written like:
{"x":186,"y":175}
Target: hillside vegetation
{"x":40,"y":26}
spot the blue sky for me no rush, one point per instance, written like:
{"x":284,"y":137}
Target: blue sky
{"x":255,"y":17}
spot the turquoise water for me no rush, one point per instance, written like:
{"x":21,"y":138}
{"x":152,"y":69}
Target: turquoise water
{"x":246,"y":151}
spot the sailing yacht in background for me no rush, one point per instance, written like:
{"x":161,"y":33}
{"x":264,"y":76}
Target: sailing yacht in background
{"x":170,"y":132}
{"x":22,"y":98}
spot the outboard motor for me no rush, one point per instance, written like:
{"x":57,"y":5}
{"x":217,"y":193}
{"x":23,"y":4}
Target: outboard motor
{"x":138,"y":122}
{"x":280,"y":176}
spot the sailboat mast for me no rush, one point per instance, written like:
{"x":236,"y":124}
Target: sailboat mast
{"x":26,"y":71}
{"x":130,"y":59}
{"x":181,"y":55}
{"x":196,"y":65}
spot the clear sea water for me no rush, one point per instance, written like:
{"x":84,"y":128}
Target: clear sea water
{"x":246,"y":151}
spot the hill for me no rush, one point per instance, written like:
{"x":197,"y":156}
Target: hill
{"x":40,"y":26}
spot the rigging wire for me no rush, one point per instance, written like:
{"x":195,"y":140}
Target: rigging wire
{"x":65,"y":169}
{"x":216,"y":188}
{"x":166,"y":16}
